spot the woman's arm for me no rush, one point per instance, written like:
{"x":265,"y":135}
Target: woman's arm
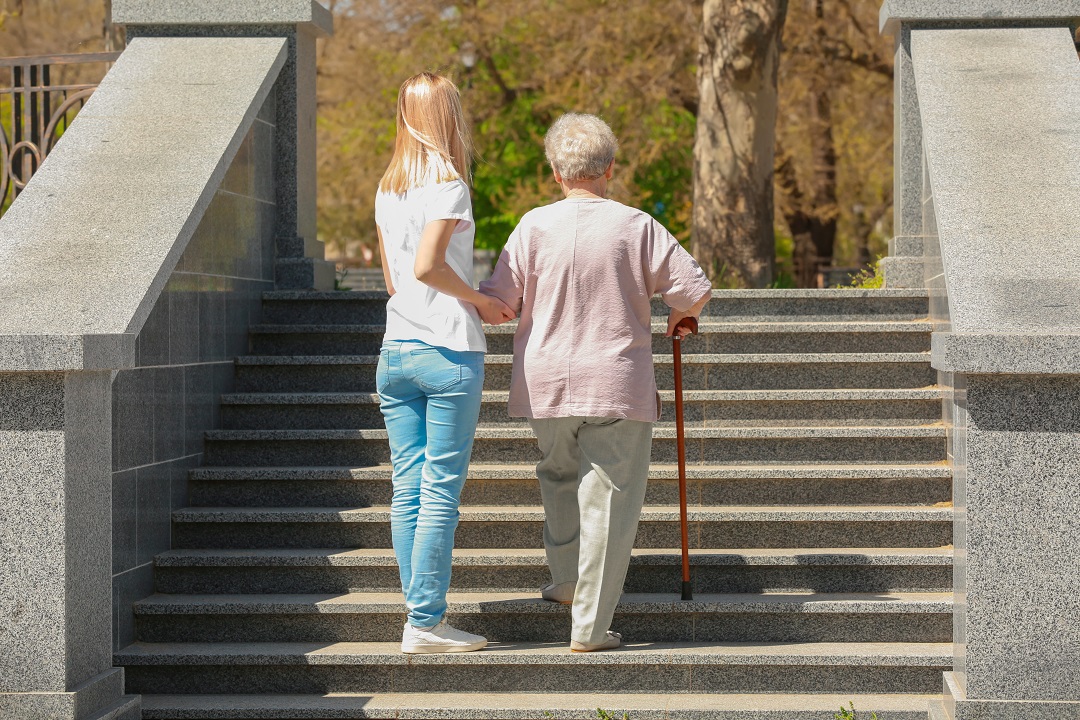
{"x":385,"y":265}
{"x":677,"y":315}
{"x":432,"y":269}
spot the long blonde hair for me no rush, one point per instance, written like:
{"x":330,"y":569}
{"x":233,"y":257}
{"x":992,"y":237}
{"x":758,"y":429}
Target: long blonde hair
{"x":433,"y":144}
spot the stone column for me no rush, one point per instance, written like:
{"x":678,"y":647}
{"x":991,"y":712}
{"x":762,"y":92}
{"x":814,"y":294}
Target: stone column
{"x":56,"y":538}
{"x":997,"y":114}
{"x":300,"y":263}
{"x":905,"y":266}
{"x":1016,"y":455}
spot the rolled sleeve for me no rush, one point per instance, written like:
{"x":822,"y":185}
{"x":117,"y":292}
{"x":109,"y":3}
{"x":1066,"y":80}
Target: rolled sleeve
{"x":451,"y":201}
{"x":676,"y":275}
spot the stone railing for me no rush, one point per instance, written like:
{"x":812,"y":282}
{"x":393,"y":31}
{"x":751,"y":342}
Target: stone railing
{"x":130,"y":269}
{"x":988,"y":196}
{"x":39,"y":96}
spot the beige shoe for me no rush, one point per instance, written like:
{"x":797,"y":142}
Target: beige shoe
{"x":613,"y":641}
{"x":562,"y":593}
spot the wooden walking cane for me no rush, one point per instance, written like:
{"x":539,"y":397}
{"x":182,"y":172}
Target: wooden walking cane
{"x":691,"y":324}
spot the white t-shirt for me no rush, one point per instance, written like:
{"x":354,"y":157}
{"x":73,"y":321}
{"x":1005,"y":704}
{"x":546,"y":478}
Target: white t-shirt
{"x":416,"y":311}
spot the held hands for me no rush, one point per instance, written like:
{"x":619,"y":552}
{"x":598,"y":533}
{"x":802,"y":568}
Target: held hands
{"x":494,"y":311}
{"x":675,"y":317}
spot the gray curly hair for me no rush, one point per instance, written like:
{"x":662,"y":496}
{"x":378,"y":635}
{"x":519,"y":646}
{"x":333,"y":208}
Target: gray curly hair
{"x":580,"y":146}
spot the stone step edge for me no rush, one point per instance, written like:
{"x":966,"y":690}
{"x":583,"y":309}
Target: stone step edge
{"x":389,"y":653}
{"x":384,"y":557}
{"x":502,"y":396}
{"x":659,"y":471}
{"x":495,"y":603}
{"x":660,"y":432}
{"x":531,"y":706}
{"x":658,"y":359}
{"x":381,"y":514}
{"x":713,"y":325}
{"x":798,"y":294}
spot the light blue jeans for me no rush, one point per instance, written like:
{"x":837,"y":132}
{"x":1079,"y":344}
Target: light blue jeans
{"x":430,"y":400}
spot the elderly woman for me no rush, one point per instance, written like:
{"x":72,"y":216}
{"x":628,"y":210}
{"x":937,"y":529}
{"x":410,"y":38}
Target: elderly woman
{"x":581,"y":273}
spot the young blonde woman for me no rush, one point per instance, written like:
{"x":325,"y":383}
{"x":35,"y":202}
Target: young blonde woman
{"x":431,"y":365}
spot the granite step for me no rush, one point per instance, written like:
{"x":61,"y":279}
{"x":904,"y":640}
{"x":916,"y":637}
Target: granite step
{"x":529,"y":706}
{"x":714,"y":337}
{"x":732,"y":305}
{"x":525,"y":617}
{"x":779,"y":371}
{"x":661,"y":668}
{"x":319,"y":570}
{"x":706,"y":408}
{"x":502,"y":484}
{"x":522,"y":527}
{"x":719,"y":445}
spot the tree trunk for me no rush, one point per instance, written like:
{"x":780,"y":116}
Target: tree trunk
{"x":823,"y":148}
{"x":733,"y":236}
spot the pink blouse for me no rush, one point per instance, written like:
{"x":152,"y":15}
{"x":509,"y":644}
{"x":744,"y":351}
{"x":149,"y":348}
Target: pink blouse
{"x":580,"y":273}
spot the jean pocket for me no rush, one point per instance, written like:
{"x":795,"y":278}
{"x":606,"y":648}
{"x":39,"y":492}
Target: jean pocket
{"x":382,"y":372}
{"x":436,"y":377}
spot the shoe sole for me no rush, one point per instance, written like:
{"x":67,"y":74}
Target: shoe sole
{"x":560,"y":602}
{"x":433,"y":649}
{"x":600,"y":648}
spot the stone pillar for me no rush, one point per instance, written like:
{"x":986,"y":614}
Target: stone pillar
{"x":997,"y":113}
{"x":905,"y":266}
{"x":300,"y":263}
{"x":56,"y":537}
{"x":1015,"y":447}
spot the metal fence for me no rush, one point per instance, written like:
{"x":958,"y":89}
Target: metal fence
{"x":39,"y":97}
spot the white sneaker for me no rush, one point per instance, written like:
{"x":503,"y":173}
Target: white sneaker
{"x":439,"y":639}
{"x":611,"y":641}
{"x":561,"y":593}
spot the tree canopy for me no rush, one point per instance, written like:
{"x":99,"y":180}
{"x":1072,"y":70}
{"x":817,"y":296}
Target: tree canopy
{"x":633,"y":62}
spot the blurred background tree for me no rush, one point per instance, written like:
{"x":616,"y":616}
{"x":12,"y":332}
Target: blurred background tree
{"x":521,"y":64}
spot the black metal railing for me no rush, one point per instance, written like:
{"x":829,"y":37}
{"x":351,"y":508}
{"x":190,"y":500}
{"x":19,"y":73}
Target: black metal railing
{"x":39,"y":97}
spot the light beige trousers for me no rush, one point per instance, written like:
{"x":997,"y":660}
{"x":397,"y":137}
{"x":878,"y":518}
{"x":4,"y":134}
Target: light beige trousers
{"x":592,"y":481}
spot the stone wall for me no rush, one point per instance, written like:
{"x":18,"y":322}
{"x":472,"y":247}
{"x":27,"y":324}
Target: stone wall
{"x":999,"y":119}
{"x":162,"y":407}
{"x":130,"y":269}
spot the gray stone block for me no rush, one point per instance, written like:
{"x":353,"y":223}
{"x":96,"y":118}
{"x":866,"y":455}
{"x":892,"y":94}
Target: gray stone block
{"x":975,"y":12}
{"x":998,"y":226}
{"x":308,"y":15}
{"x":153,"y":514}
{"x":903,"y":272}
{"x":124,"y":516}
{"x":1012,"y":354}
{"x":133,"y":418}
{"x":304,"y":273}
{"x":907,"y":246}
{"x":530,"y":706}
{"x":147,"y":234}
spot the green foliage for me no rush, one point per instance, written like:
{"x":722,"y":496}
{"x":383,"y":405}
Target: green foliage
{"x":849,"y":713}
{"x":339,"y":277}
{"x":602,"y":714}
{"x":869,"y":279}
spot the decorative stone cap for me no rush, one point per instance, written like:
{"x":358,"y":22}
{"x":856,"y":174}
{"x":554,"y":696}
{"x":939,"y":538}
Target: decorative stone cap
{"x":930,"y":12}
{"x":305,"y":14}
{"x":1006,"y":353}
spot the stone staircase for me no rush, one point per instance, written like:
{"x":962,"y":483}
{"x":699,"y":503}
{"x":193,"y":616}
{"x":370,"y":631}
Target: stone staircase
{"x":820,"y":526}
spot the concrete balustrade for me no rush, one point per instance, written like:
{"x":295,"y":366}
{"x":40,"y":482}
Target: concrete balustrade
{"x":988,"y":129}
{"x":130,"y":271}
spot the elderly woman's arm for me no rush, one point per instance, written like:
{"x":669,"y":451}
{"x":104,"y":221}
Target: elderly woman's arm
{"x":676,"y":316}
{"x":507,"y":282}
{"x":678,"y":278}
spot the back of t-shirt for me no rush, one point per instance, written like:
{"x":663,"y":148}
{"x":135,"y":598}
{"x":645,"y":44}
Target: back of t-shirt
{"x":417,"y":311}
{"x":582,"y":272}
